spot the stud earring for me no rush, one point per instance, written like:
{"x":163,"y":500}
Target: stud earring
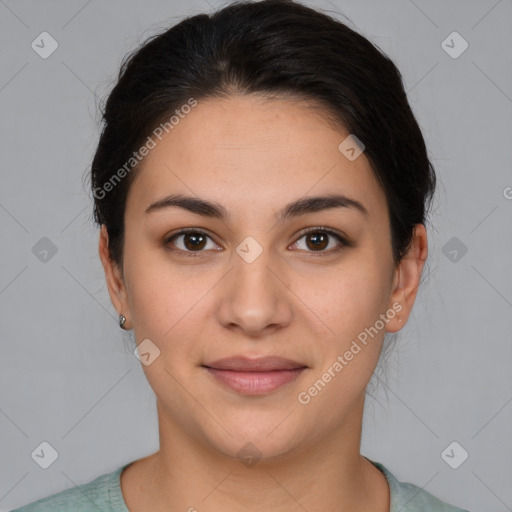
{"x":122,"y":320}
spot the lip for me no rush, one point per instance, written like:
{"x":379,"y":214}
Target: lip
{"x":258,"y":364}
{"x":254,"y":376}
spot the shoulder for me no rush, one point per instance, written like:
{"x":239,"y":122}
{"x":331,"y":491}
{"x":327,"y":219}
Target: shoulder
{"x":102,"y":493}
{"x":407,"y":497}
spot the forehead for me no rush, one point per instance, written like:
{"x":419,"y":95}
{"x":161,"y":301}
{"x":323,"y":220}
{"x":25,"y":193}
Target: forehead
{"x":250,"y":152}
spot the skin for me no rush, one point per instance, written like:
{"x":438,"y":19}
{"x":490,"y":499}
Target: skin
{"x":254,"y":156}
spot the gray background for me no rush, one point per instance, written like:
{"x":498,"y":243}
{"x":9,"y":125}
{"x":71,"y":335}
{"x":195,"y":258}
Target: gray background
{"x":68,"y":376}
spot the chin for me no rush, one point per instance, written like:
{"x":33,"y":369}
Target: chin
{"x":254,"y":437}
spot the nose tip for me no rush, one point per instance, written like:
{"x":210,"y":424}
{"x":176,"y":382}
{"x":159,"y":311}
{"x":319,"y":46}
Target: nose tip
{"x":252,"y":298}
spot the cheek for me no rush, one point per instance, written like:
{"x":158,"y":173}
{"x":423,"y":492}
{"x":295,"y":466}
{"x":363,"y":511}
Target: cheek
{"x":348,"y":297}
{"x":167,"y":300}
{"x":156,"y":295}
{"x":350,"y":303}
{"x":349,"y":300}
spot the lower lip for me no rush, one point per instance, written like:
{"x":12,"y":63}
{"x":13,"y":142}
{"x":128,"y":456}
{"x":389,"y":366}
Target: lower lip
{"x":255,"y":383}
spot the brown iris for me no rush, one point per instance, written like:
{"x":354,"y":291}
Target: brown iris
{"x":319,"y":240}
{"x":194,"y":241}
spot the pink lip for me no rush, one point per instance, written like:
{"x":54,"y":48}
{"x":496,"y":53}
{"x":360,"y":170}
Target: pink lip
{"x":255,"y":376}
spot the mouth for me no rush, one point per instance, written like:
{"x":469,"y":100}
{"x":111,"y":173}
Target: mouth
{"x":254,"y":376}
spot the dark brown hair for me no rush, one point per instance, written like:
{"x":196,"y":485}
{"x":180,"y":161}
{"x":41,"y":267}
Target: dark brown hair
{"x":269,"y":47}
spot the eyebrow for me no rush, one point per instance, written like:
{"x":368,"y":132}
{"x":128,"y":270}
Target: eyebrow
{"x":297,"y":208}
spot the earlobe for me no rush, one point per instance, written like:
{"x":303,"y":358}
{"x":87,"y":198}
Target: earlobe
{"x":407,"y":277}
{"x":115,"y":282}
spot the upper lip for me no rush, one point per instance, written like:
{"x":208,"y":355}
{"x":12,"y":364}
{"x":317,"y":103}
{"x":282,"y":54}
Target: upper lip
{"x":260,"y":364}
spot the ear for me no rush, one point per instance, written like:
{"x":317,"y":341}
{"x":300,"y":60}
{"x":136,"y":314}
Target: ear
{"x":406,"y":279}
{"x":114,"y":278}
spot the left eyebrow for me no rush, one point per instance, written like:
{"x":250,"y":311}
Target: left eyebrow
{"x":294,"y":209}
{"x":318,"y":203}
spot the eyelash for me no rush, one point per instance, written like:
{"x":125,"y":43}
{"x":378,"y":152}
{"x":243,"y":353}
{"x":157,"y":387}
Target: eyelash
{"x":344,"y":242}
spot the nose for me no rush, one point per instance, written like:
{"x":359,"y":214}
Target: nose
{"x":254,"y":298}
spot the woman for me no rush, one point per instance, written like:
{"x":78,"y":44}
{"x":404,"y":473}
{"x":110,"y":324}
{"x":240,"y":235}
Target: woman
{"x":262,"y":187}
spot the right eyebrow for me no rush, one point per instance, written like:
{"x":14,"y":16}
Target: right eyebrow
{"x":192,"y":204}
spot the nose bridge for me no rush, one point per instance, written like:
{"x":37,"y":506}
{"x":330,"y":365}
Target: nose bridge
{"x":252,"y":297}
{"x":253,"y":279}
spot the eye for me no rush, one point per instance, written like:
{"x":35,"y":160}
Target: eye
{"x":318,"y":239}
{"x":193,"y":240}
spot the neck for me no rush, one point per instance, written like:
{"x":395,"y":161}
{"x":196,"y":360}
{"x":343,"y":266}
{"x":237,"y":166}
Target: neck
{"x":327,"y":474}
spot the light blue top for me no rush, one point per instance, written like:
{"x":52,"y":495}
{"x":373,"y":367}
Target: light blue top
{"x":104,"y":494}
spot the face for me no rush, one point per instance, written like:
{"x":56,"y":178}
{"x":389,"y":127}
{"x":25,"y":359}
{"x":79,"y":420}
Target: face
{"x":256,"y":278}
